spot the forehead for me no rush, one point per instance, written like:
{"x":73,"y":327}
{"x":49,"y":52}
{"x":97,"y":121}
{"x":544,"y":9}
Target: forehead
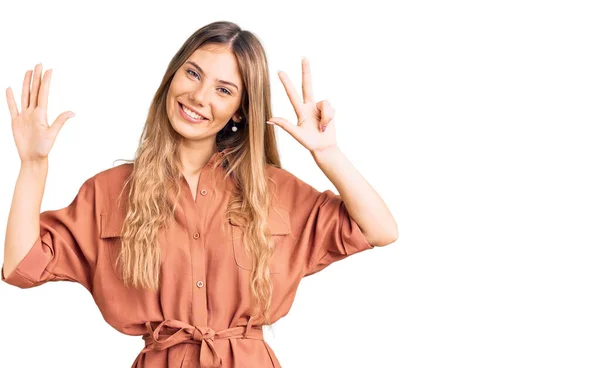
{"x":218,"y":62}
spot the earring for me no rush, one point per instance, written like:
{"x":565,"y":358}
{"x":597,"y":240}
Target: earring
{"x":234,"y":128}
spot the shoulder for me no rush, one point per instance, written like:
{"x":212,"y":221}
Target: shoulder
{"x":108,"y":185}
{"x":105,"y":182}
{"x":290,"y":190}
{"x":113,"y":179}
{"x":283,"y":177}
{"x":115,"y":175}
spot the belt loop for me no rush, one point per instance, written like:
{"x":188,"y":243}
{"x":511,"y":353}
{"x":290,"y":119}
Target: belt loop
{"x":248,"y":326}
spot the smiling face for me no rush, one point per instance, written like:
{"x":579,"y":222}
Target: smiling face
{"x":209,"y":84}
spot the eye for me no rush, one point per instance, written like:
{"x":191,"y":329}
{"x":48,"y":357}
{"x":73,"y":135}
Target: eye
{"x":189,"y":71}
{"x":226,"y":90}
{"x":195,"y":75}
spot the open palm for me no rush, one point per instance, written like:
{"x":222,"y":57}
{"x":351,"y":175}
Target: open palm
{"x":33,"y":136}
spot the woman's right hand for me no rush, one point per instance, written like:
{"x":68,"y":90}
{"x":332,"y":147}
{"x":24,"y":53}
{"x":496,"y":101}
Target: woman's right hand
{"x":33,"y":137}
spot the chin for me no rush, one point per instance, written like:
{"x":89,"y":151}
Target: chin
{"x":189,"y":132}
{"x":192,"y":132}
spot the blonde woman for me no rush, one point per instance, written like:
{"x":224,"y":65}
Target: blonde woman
{"x":202,"y":238}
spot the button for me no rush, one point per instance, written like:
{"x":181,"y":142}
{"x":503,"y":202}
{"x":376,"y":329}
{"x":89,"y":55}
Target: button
{"x":196,"y":235}
{"x":199,"y":284}
{"x":203,"y":191}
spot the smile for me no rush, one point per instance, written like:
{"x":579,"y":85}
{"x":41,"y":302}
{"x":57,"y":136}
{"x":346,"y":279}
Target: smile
{"x":189,"y":115}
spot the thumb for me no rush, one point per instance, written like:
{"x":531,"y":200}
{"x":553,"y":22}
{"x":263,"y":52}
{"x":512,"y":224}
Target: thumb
{"x":60,"y":121}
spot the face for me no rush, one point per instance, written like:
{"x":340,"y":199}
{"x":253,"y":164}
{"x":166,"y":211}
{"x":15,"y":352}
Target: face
{"x":211,"y":88}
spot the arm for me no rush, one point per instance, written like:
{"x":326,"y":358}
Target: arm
{"x":23,"y":227}
{"x":315,"y":130}
{"x":34,"y":139}
{"x":363,"y":203}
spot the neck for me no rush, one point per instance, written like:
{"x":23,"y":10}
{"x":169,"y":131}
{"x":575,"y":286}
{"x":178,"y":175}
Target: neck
{"x":194,"y":156}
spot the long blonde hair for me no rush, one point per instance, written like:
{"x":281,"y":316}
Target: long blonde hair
{"x":157,"y":169}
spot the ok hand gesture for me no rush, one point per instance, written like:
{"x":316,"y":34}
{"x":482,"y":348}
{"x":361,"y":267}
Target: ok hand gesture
{"x":33,"y":137}
{"x":315,"y":129}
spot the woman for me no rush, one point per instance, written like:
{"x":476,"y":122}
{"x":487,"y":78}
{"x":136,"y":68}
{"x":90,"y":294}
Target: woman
{"x":203,"y":238}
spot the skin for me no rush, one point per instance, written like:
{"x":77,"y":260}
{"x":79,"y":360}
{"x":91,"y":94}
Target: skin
{"x":315,"y":130}
{"x":204,"y":93}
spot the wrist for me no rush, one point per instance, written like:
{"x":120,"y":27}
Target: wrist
{"x":327,"y":153}
{"x":36,"y":164}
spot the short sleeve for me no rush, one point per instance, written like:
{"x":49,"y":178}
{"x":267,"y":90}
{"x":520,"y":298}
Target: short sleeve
{"x":324,"y":230}
{"x":66,"y":247}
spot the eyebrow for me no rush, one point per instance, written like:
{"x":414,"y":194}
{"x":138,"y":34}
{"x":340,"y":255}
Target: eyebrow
{"x":220,"y":80}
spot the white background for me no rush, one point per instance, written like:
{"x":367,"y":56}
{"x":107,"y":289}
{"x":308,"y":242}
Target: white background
{"x":477,"y":122}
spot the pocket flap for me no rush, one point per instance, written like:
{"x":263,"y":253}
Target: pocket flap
{"x":110,"y":225}
{"x":279,"y":224}
{"x":279,"y":221}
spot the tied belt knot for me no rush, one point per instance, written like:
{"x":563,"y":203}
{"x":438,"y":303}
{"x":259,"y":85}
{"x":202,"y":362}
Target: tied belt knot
{"x":162,"y":338}
{"x":203,"y":333}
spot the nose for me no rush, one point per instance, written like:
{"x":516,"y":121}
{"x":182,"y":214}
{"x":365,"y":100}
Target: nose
{"x":201,"y":94}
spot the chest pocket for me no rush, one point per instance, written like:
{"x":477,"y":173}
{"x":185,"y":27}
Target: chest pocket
{"x":279,"y":224}
{"x":110,"y":232}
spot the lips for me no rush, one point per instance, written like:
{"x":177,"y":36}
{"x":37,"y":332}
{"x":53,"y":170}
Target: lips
{"x":189,"y":108}
{"x":188,"y":118}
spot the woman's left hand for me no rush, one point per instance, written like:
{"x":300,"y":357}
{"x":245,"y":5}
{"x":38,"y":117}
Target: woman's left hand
{"x":315,"y":129}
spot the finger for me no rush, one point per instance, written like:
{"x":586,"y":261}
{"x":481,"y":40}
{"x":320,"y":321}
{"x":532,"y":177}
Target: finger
{"x":291,"y":92}
{"x":60,"y":122}
{"x":285,"y":125}
{"x":25,"y":90}
{"x":12,"y":104}
{"x":329,"y":125}
{"x":45,"y":89}
{"x":327,"y":113}
{"x":35,"y":89}
{"x":307,"y":93}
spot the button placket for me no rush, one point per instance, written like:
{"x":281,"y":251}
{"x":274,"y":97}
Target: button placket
{"x":198,"y":251}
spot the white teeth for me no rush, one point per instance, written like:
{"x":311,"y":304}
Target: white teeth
{"x":192,"y":114}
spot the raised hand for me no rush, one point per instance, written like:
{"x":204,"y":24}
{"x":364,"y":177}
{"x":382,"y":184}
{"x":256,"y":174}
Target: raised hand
{"x":315,"y":129}
{"x":33,"y":136}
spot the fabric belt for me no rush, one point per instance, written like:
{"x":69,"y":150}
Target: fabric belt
{"x":161,"y":338}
